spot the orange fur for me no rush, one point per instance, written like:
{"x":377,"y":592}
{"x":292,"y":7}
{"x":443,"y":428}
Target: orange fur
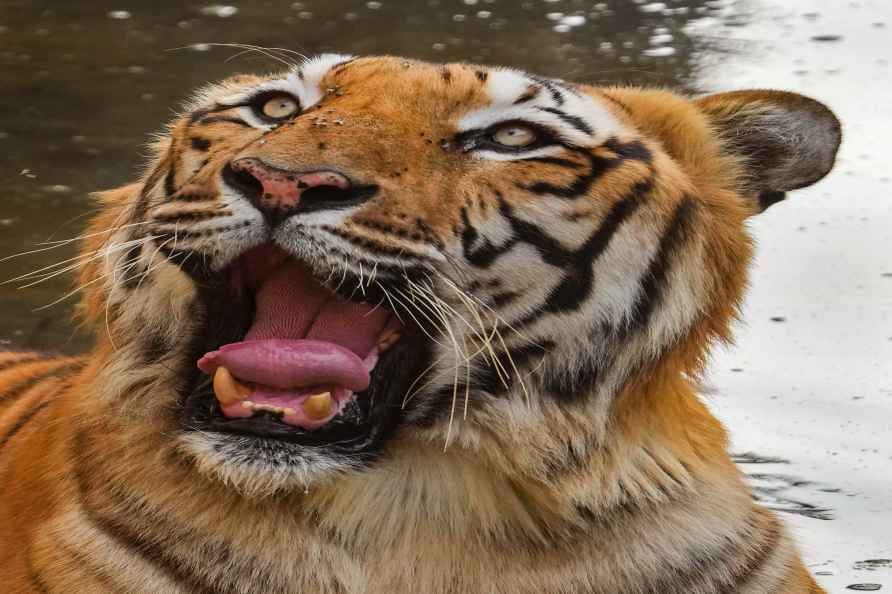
{"x":100,"y":492}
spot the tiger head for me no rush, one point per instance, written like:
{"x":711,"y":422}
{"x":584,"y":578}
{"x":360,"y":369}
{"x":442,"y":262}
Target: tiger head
{"x":359,"y":256}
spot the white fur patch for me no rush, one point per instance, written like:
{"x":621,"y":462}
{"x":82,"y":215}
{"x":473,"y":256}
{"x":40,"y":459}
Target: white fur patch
{"x":302,"y":82}
{"x":505,"y":86}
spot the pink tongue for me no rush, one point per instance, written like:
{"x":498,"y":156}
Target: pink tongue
{"x":292,"y":305}
{"x":302,"y":335}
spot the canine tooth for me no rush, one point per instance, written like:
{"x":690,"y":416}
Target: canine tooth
{"x":228,"y":389}
{"x":290,"y":412}
{"x":318,"y":406}
{"x":248,"y":404}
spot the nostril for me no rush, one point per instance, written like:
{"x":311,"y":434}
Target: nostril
{"x":326,"y":197}
{"x":241,"y":180}
{"x":323,"y":194}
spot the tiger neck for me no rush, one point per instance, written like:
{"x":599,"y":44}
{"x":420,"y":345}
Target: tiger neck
{"x":659,"y":450}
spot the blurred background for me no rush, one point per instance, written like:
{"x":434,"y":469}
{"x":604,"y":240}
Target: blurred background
{"x":807,"y":391}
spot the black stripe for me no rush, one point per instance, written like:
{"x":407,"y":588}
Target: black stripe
{"x":554,"y":161}
{"x":372,"y":245}
{"x":195,"y":198}
{"x":500,"y":300}
{"x":127,"y":537}
{"x":598,"y":166}
{"x":22,"y":421}
{"x":446,"y":74}
{"x":200,"y":144}
{"x":729,"y":568}
{"x":154,"y":344}
{"x":143,"y":204}
{"x":388,"y":229}
{"x":481,"y":75}
{"x":225,"y":119}
{"x":97,"y":574}
{"x":22,"y":387}
{"x":634,"y":150}
{"x":531,"y":93}
{"x":769,"y":538}
{"x":578,"y":280}
{"x":572,"y":461}
{"x":30,"y":358}
{"x":615,"y":101}
{"x":181,"y":234}
{"x":201,"y":113}
{"x":575,"y":121}
{"x":336,"y":69}
{"x":150,"y":551}
{"x":37,"y":581}
{"x":552,"y":88}
{"x":170,"y":177}
{"x":656,"y":277}
{"x":190,"y":215}
{"x":131,"y":268}
{"x":549,"y":248}
{"x":487,"y":378}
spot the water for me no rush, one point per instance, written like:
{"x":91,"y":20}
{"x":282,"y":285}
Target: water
{"x":807,"y":393}
{"x":84,"y":83}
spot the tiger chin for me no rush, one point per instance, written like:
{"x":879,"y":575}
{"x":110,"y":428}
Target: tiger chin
{"x":374,"y":325}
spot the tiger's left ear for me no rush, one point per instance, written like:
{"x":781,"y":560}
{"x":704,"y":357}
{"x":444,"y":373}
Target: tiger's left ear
{"x":786,"y":141}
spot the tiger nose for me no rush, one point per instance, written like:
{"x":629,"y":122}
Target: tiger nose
{"x":278,"y":192}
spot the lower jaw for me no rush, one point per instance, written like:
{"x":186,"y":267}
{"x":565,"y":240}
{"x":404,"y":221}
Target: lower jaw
{"x":362,"y":426}
{"x":364,"y":423}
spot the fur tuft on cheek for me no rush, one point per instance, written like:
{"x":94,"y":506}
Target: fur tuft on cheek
{"x":98,"y":238}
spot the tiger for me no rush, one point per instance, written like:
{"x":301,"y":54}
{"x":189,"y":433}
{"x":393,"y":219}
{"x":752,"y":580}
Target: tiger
{"x":377,"y":325}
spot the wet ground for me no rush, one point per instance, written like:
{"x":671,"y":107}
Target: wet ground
{"x":807,"y":393}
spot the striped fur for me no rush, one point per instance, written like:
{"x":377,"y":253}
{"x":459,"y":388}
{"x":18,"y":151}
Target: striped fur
{"x":571,"y":291}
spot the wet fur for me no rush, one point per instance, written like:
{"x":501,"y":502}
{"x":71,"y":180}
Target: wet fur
{"x":574,"y":482}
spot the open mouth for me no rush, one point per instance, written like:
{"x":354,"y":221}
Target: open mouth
{"x":313,"y":366}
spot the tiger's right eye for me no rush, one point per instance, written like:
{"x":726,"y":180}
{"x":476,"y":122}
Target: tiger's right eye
{"x":515,"y":136}
{"x":279,"y":107}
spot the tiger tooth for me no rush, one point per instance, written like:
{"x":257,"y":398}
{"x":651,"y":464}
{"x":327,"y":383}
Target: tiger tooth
{"x":228,"y":389}
{"x":318,"y":406}
{"x":248,"y":404}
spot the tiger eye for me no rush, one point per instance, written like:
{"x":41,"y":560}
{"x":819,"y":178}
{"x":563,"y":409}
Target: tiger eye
{"x":514,"y":136}
{"x":279,"y":107}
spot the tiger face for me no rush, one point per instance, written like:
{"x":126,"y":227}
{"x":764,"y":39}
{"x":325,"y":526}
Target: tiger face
{"x":360,"y":255}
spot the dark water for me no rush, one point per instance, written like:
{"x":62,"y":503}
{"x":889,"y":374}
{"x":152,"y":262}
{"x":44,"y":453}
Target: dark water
{"x":85,"y":83}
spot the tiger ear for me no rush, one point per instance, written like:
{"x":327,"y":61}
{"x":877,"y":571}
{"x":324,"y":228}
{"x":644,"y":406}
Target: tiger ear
{"x":786,"y":141}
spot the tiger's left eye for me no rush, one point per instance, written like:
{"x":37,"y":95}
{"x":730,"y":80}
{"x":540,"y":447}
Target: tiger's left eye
{"x":514,"y":136}
{"x":279,"y":107}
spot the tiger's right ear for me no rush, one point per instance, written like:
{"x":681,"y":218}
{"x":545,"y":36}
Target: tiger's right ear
{"x":786,"y":141}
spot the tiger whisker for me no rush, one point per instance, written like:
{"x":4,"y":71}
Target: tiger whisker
{"x":393,"y":307}
{"x":409,"y":391}
{"x":101,"y":253}
{"x":247,"y":49}
{"x":155,"y":266}
{"x":63,"y":242}
{"x":436,"y":304}
{"x":420,"y":325}
{"x":488,"y":308}
{"x":84,"y":256}
{"x":486,"y":340}
{"x":71,"y":293}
